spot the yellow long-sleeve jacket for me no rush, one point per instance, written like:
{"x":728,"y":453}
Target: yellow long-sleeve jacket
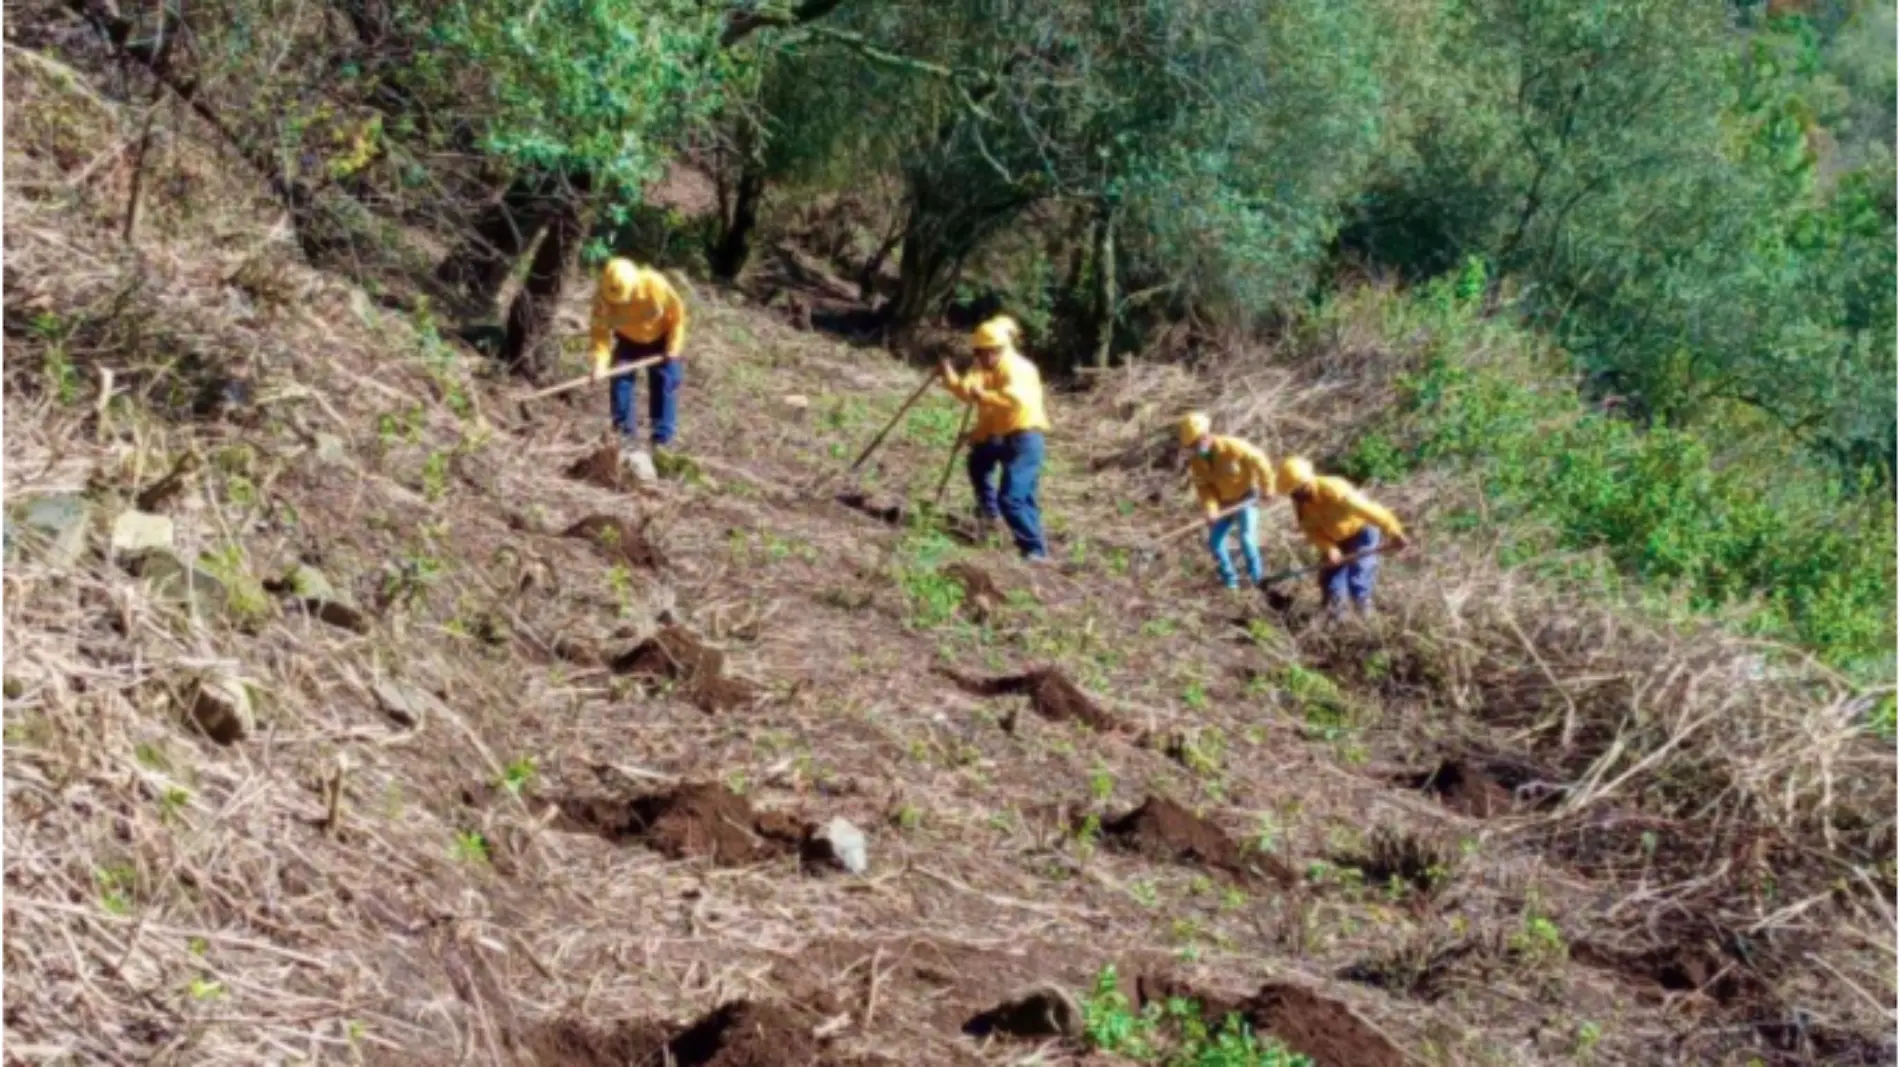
{"x":1336,"y":511}
{"x":1008,"y":399}
{"x":654,"y":312}
{"x":1231,"y":469}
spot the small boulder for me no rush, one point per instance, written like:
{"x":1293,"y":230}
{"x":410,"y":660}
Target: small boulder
{"x":190,"y":588}
{"x":55,"y":526}
{"x":331,"y":451}
{"x":842,"y":845}
{"x":221,"y":706}
{"x":639,"y":465}
{"x":404,"y":708}
{"x":311,"y":588}
{"x":135,"y":531}
{"x":310,"y":583}
{"x":796,"y":404}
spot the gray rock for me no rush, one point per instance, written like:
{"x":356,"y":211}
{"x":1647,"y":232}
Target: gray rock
{"x":53,"y":526}
{"x":404,"y":708}
{"x":331,"y":450}
{"x":640,"y":465}
{"x":842,"y":845}
{"x":136,"y":531}
{"x":171,"y":580}
{"x":310,"y":583}
{"x":221,"y":706}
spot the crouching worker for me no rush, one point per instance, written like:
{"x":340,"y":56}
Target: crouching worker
{"x":1231,"y":478}
{"x":638,"y":316}
{"x":1010,"y":420}
{"x":1344,"y":524}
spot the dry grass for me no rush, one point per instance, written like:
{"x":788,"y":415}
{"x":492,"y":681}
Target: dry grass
{"x":341,"y":888}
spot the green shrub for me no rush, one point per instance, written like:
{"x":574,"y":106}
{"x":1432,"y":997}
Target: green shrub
{"x":1727,"y":516}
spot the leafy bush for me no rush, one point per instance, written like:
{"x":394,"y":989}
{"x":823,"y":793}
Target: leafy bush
{"x":1739,"y":520}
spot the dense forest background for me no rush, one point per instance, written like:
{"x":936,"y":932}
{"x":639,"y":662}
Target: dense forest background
{"x":1651,"y":244}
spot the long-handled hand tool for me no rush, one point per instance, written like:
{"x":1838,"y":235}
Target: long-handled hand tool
{"x":963,"y":432}
{"x":909,"y":402}
{"x":1275,"y":579}
{"x":588,"y":379}
{"x":1151,"y":551}
{"x":825,"y":479}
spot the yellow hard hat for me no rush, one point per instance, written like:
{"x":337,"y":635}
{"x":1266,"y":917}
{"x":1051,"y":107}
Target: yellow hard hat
{"x":1295,"y":471}
{"x":999,"y":332}
{"x":619,"y":280}
{"x":1194,"y":426}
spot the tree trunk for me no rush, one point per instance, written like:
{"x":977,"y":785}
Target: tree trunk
{"x":525,"y":350}
{"x":728,"y":257}
{"x":868,"y":274}
{"x":501,"y":234}
{"x":1104,"y":303}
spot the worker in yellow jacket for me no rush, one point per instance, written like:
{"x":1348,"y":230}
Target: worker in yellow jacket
{"x":1006,"y":390}
{"x":638,"y":315}
{"x":1231,"y":478}
{"x":1342,"y":523}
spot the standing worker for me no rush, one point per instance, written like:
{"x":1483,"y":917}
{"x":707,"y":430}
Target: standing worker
{"x":638,"y":315}
{"x":1006,"y":390}
{"x":1341,"y":522}
{"x":1229,"y":476}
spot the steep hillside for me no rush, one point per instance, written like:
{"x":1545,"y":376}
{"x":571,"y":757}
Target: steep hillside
{"x":531,"y":764}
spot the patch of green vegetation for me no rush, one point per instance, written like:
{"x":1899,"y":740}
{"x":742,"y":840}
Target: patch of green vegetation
{"x":117,"y":887}
{"x":244,"y":596}
{"x":931,"y":597}
{"x":57,"y":370}
{"x":1800,"y":552}
{"x":1174,"y":1034}
{"x":518,"y":775}
{"x":1538,"y":940}
{"x":435,"y":476}
{"x":470,"y":847}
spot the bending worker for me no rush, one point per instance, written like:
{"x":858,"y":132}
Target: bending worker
{"x":1010,"y":420}
{"x":638,"y":315}
{"x":1342,"y":523}
{"x":1231,"y":477}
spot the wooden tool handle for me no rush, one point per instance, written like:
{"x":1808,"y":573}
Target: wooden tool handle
{"x":588,"y":379}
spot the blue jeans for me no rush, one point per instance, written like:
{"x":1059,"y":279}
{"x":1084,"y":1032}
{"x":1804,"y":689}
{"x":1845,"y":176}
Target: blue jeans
{"x":1247,"y":519}
{"x":1020,"y":457}
{"x":1354,"y":580}
{"x":663,"y":386}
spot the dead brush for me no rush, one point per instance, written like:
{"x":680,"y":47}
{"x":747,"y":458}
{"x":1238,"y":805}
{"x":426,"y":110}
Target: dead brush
{"x":1420,"y":965}
{"x":1400,"y":859}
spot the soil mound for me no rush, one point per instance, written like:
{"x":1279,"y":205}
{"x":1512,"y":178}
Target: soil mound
{"x":1164,"y":830}
{"x":1046,"y":1011}
{"x":694,"y":820}
{"x":571,"y":1043}
{"x":619,"y":540}
{"x":738,"y":1034}
{"x":676,"y":655}
{"x":1051,"y":693}
{"x":1329,"y":1032}
{"x":982,"y":597}
{"x":865,"y":504}
{"x":601,"y":467}
{"x":1464,"y":786}
{"x":743,"y":1034}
